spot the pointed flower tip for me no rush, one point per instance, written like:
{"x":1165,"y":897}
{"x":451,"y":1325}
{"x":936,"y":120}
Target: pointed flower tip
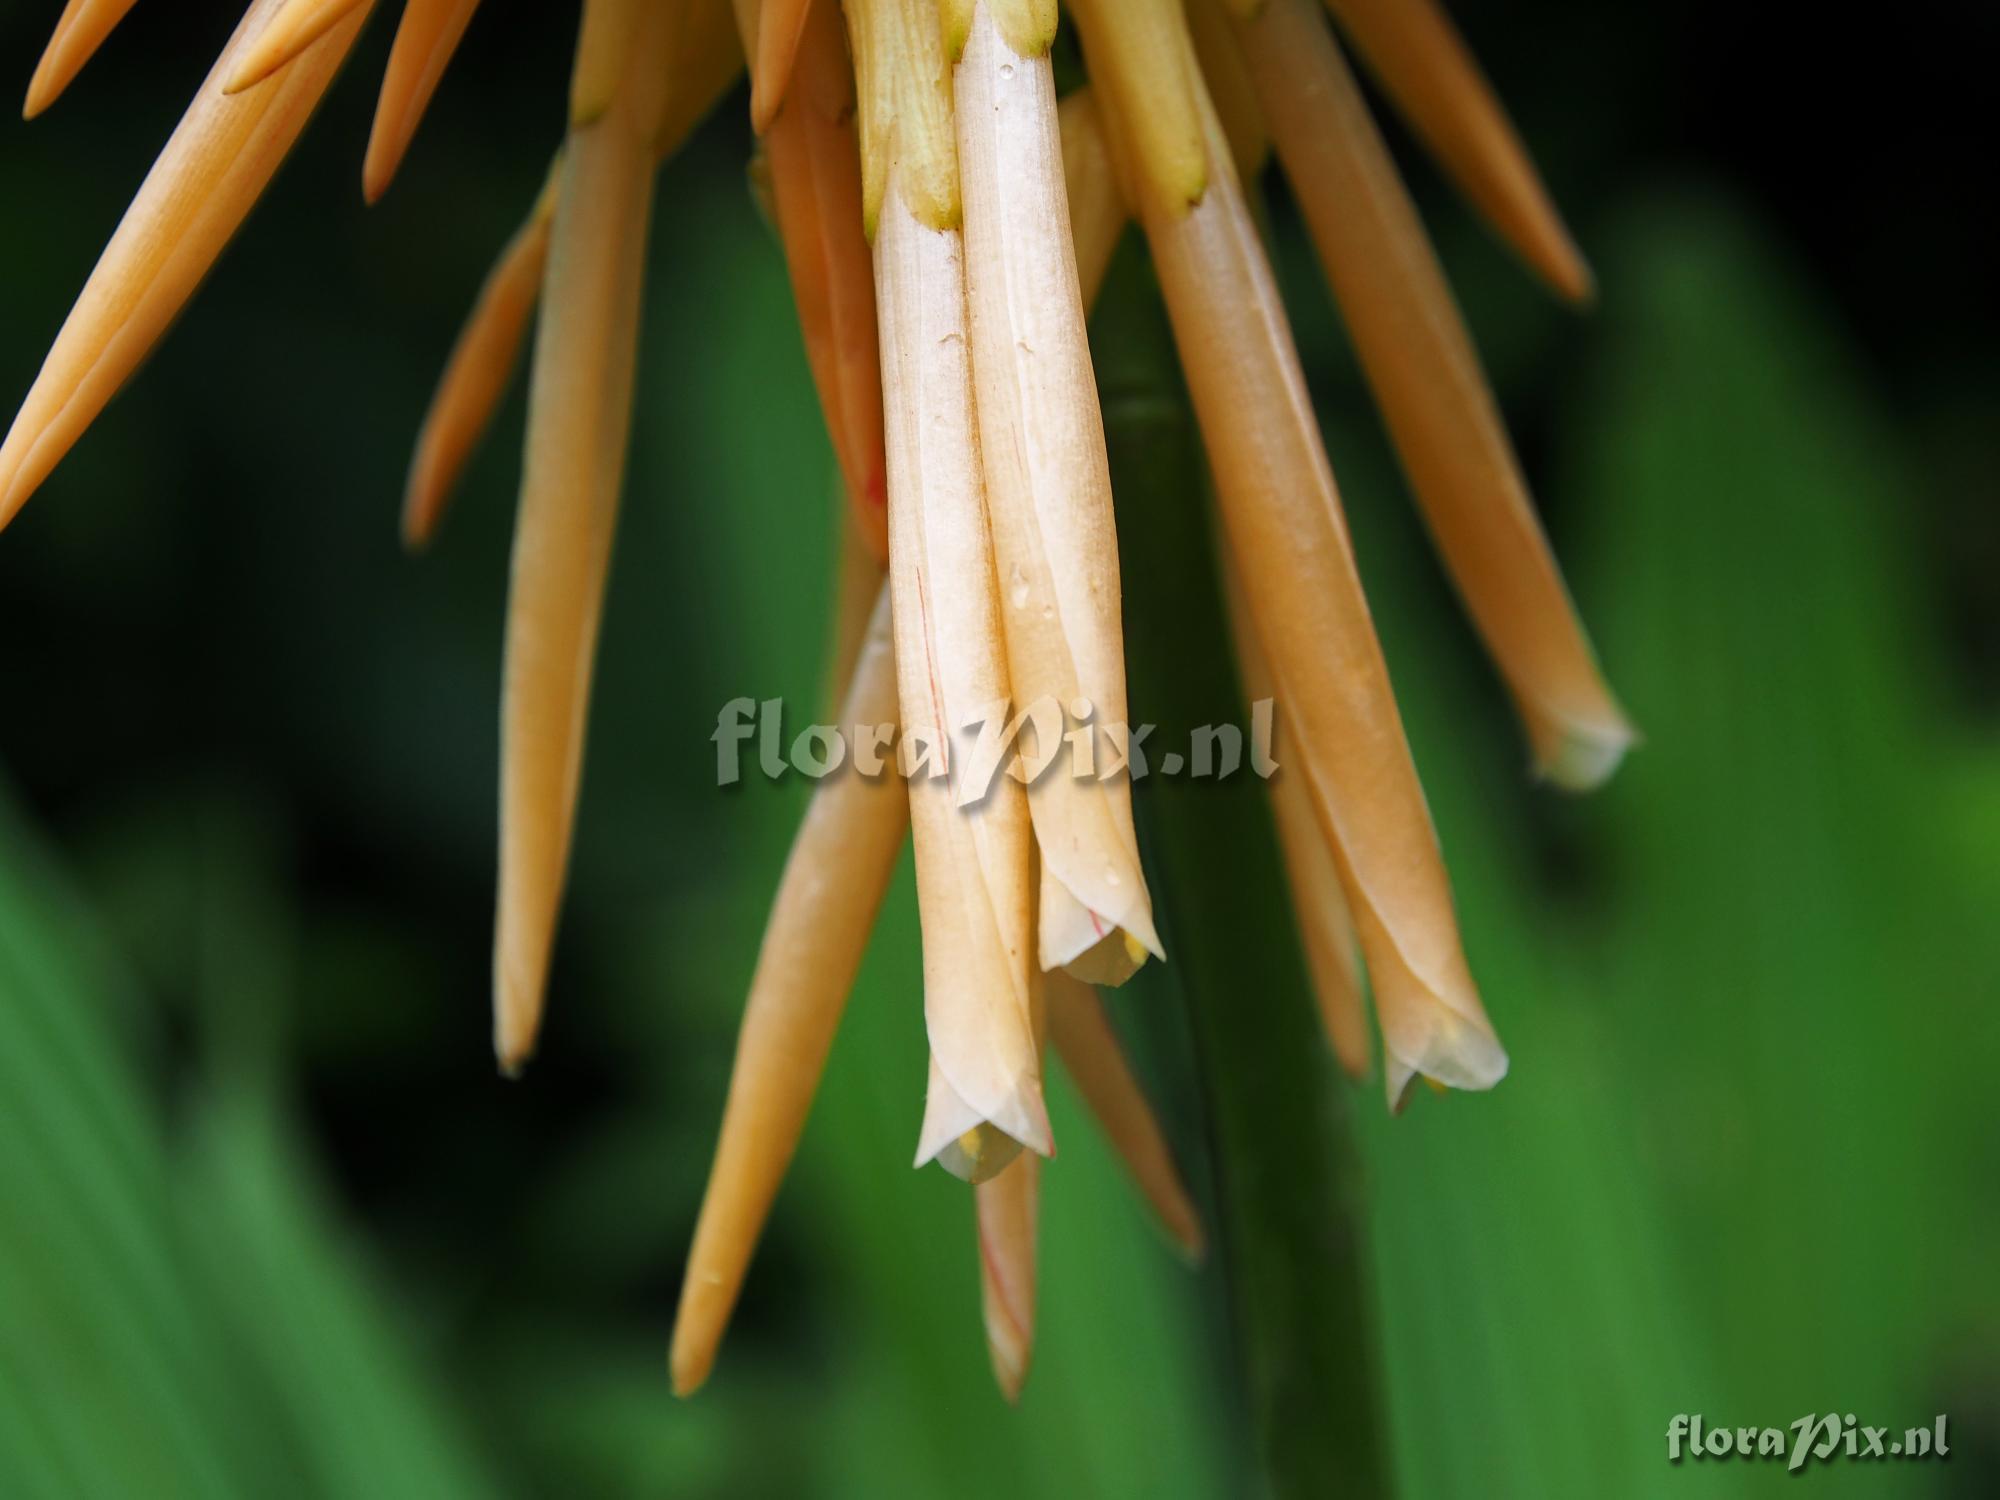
{"x":1579,"y":285}
{"x":79,"y":33}
{"x":427,"y":37}
{"x":1010,"y":1368}
{"x":1543,"y":242}
{"x":289,"y":32}
{"x":1190,"y":1239}
{"x":688,"y":1366}
{"x":1553,"y":254}
{"x":247,"y":74}
{"x":48,"y":83}
{"x":764,"y":103}
{"x":513,"y":1041}
{"x":13,"y":495}
{"x":780,"y":26}
{"x":424,"y":501}
{"x":1007,"y":1295}
{"x":259,"y":61}
{"x":20,"y":475}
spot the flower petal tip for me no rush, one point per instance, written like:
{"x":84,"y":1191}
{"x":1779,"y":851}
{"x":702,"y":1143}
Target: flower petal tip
{"x":289,"y":32}
{"x":1582,"y":757}
{"x":780,"y":26}
{"x":47,"y":84}
{"x":688,"y":1365}
{"x":1190,"y":1241}
{"x":1568,"y":274}
{"x":81,"y":31}
{"x":1010,"y":1368}
{"x":513,"y":1037}
{"x":765,"y":102}
{"x":19,"y":478}
{"x":1458,"y":1055}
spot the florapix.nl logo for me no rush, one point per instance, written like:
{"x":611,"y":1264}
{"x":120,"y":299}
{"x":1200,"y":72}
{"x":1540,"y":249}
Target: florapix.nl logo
{"x":1817,"y":1437}
{"x":1042,"y":739}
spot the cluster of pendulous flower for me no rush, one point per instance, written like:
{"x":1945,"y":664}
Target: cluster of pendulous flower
{"x":946,"y":219}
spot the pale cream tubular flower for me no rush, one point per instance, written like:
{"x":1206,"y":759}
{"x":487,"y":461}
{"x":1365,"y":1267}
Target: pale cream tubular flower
{"x":1419,"y":360}
{"x":1048,"y":481}
{"x":195,"y":198}
{"x":823,"y":910}
{"x":1312,"y":865}
{"x":973,"y":862}
{"x":1007,"y":1216}
{"x":79,"y":32}
{"x":1082,"y":1036}
{"x":1424,"y":66}
{"x":579,"y":420}
{"x":1283,"y":517}
{"x":832,"y":888}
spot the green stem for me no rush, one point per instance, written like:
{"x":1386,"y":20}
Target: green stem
{"x":1286,"y":1185}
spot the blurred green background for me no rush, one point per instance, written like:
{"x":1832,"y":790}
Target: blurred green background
{"x":270,"y":1224}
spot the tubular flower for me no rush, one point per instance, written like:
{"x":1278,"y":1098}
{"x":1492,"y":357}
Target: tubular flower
{"x":974,"y":861}
{"x":1048,"y":481}
{"x":1419,"y":361}
{"x":945,"y":222}
{"x":622,"y":102}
